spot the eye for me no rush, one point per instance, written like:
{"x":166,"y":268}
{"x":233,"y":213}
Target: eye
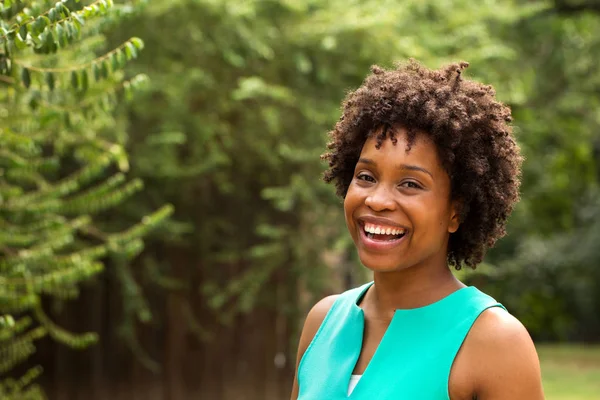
{"x":411,"y":185}
{"x":365,"y":177}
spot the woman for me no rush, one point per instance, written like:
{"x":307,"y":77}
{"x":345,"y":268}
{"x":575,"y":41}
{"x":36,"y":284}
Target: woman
{"x":429,"y":172}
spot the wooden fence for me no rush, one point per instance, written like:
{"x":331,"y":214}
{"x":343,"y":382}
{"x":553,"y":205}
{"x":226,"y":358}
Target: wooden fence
{"x":250,"y":359}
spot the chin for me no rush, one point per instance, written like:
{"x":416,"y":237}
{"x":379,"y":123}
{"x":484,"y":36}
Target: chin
{"x":380,"y":263}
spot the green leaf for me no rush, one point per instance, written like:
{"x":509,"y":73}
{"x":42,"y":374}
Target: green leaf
{"x":50,"y":80}
{"x":122,"y":58}
{"x":53,"y":15}
{"x":83,"y":80}
{"x":20,"y":43}
{"x":104,"y":69}
{"x":26,"y":78}
{"x":97,"y":72}
{"x":49,"y":43}
{"x":64,"y":10}
{"x":90,"y":11}
{"x":71,"y":31}
{"x":75,"y":80}
{"x":6,"y":321}
{"x":38,"y":26}
{"x":130,"y":51}
{"x":74,"y":29}
{"x":37,"y":41}
{"x":61,"y":35}
{"x":23,"y":31}
{"x":79,"y":20}
{"x":114,"y":61}
{"x":137,"y":42}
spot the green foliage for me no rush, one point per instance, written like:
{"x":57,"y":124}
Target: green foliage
{"x":230,"y":128}
{"x":548,"y":273}
{"x":242,"y":94}
{"x":234,"y":121}
{"x":62,"y":164}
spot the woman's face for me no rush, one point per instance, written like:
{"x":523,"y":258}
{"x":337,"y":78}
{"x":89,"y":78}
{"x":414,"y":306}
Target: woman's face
{"x":398,"y":208}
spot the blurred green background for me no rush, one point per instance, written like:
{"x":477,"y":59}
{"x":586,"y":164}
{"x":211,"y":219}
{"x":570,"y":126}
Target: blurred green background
{"x":202,"y":233}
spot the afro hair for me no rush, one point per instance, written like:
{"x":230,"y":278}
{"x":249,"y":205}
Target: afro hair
{"x":470,"y":128}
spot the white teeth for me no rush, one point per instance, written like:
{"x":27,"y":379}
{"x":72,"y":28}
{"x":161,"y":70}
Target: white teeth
{"x":379,"y":230}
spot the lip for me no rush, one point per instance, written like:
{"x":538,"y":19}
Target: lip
{"x":378,"y":245}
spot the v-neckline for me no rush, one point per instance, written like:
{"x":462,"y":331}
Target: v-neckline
{"x":361,"y":315}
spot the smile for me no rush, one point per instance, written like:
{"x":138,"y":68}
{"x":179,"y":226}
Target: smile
{"x":380,"y":237}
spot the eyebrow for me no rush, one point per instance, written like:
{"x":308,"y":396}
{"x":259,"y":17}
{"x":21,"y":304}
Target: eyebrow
{"x":409,"y":167}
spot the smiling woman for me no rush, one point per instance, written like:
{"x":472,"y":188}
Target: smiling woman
{"x":429,"y":172}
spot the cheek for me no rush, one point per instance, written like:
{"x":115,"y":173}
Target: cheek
{"x":439,"y":217}
{"x":351,"y":202}
{"x":428,"y":212}
{"x":348,"y":208}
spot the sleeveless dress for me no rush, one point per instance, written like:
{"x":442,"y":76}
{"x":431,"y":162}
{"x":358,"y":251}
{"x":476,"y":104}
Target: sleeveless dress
{"x":413,"y":359}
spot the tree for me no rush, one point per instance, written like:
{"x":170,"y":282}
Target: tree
{"x":548,"y":274}
{"x":62,"y":165}
{"x":240,"y":103}
{"x":246,"y":92}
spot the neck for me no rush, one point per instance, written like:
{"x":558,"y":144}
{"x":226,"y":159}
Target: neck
{"x":411,"y":288}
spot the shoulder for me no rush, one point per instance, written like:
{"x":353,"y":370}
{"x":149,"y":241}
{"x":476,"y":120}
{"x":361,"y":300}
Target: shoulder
{"x":496,"y":332}
{"x":313,"y":321}
{"x":321,"y":308}
{"x":319,"y":311}
{"x":501,"y":358}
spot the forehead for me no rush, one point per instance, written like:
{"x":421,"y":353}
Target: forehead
{"x":422,"y":150}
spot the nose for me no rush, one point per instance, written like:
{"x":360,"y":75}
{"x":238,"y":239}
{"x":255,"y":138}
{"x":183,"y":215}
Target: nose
{"x":380,"y":199}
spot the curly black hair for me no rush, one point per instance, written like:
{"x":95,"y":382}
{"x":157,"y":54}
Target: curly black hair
{"x":470,"y":129}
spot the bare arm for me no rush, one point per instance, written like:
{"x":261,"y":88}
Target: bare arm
{"x":505,"y":363}
{"x":313,"y":321}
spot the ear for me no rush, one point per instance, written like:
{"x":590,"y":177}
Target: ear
{"x":454,"y":222}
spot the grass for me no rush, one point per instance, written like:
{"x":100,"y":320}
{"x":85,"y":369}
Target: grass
{"x":570,"y":372}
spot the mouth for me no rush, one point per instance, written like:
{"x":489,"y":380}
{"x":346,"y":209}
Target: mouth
{"x":381,"y":237}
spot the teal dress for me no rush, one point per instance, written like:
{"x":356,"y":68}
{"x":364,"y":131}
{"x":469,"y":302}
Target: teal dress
{"x":413,"y":359}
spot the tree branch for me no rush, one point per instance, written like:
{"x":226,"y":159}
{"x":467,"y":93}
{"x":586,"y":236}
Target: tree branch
{"x":6,"y":79}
